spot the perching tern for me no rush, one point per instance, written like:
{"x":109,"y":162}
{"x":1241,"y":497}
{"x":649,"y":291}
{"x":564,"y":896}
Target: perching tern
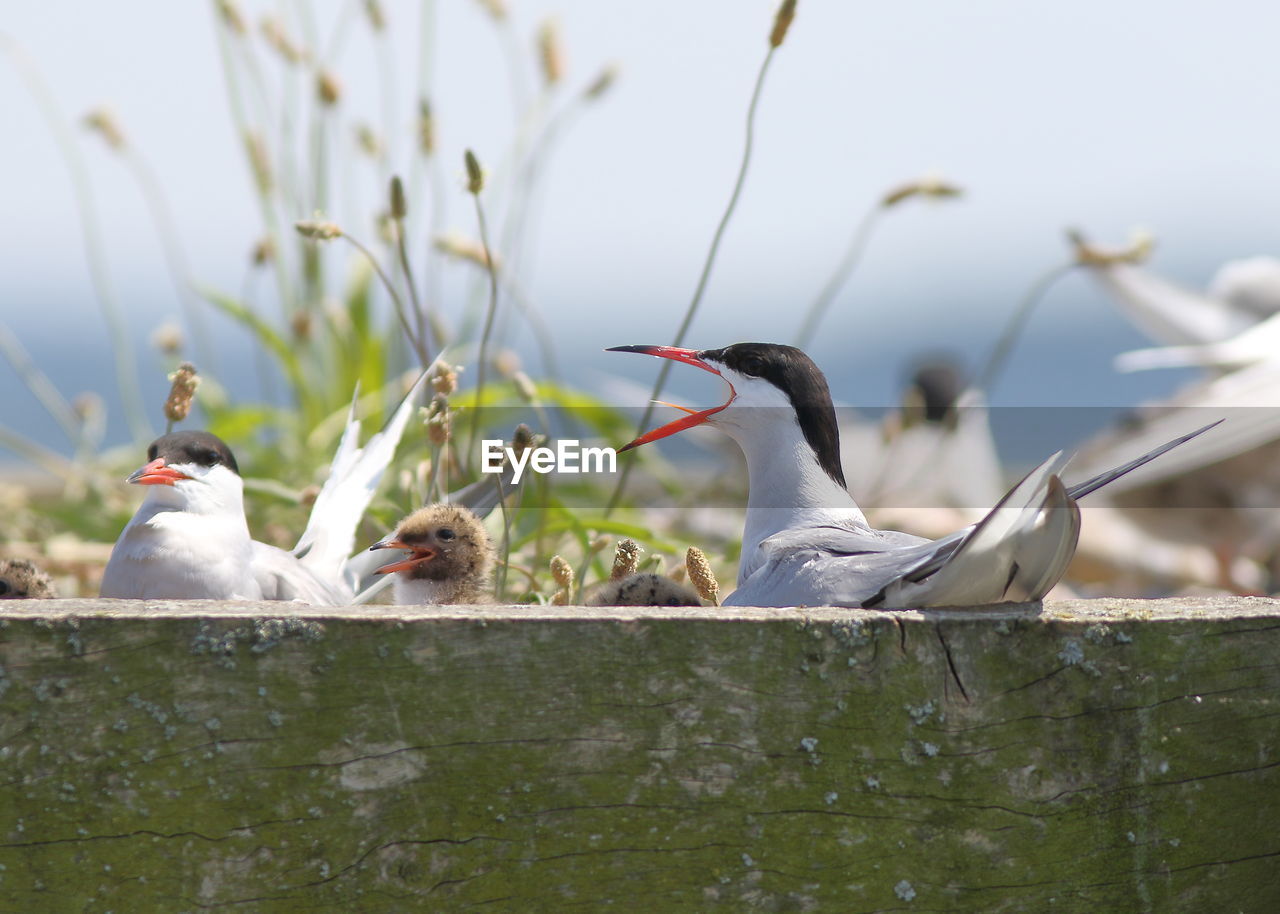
{"x":189,"y":539}
{"x":806,"y":542}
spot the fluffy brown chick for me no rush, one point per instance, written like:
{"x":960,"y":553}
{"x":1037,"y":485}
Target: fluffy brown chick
{"x":21,"y":580}
{"x":644,"y":590}
{"x":450,"y":557}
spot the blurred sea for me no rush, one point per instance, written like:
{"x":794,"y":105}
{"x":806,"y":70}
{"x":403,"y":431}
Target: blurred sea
{"x":1057,"y":389}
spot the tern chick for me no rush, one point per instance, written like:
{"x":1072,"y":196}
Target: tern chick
{"x":451,"y":557}
{"x":644,"y":590}
{"x":21,"y":580}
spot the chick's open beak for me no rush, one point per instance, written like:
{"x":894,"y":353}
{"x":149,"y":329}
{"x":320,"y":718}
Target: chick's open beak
{"x":693,"y":417}
{"x":420,"y":554}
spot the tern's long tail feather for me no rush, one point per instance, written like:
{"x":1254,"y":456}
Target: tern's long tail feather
{"x":1019,"y":551}
{"x":1081,"y":489}
{"x":353,"y":478}
{"x":1016,"y":553}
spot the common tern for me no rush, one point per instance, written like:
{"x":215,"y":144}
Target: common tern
{"x":806,"y":542}
{"x":450,"y":557}
{"x":932,"y":456}
{"x":1221,"y":495}
{"x":189,"y":538}
{"x":22,"y":580}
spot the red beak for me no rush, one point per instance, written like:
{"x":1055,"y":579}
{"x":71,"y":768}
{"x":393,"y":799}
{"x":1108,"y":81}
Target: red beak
{"x":689,"y":357}
{"x":420,"y":554}
{"x":156,"y":473}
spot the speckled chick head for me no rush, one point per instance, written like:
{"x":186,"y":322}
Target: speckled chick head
{"x":645,"y":590}
{"x":21,"y":580}
{"x":451,"y":556}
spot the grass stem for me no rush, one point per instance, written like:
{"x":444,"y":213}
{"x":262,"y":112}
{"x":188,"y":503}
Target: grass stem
{"x":692,"y":310}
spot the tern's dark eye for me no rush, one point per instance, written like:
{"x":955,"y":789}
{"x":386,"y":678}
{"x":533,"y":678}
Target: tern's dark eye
{"x":152,"y":452}
{"x":752,"y":365}
{"x":206,"y":457}
{"x":445,"y":534}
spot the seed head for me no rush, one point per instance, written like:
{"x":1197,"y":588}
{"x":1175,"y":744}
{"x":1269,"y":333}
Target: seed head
{"x":399,"y":208}
{"x":782,"y":22}
{"x":232,"y":17}
{"x":377,"y":18}
{"x":300,"y":324}
{"x":444,"y":379}
{"x":562,"y":572}
{"x":103,"y":121}
{"x":701,"y":576}
{"x":368,"y":141}
{"x":1141,"y":244}
{"x":932,"y":186}
{"x":183,"y":383}
{"x":551,"y":52}
{"x":167,"y":338}
{"x":625,"y":559}
{"x":602,"y":83}
{"x":328,"y":88}
{"x":522,"y":439}
{"x":88,"y":406}
{"x":475,"y":177}
{"x":426,"y":128}
{"x":264,"y":251}
{"x":525,"y":387}
{"x":437,"y":419}
{"x":495,"y":8}
{"x":507,"y":362}
{"x":279,"y":40}
{"x":454,"y":244}
{"x":259,"y":161}
{"x":317,"y":229}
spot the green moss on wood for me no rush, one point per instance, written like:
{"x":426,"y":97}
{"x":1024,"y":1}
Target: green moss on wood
{"x":1080,"y":760}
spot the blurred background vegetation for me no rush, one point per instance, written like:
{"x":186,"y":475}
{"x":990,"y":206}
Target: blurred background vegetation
{"x":325,"y":103}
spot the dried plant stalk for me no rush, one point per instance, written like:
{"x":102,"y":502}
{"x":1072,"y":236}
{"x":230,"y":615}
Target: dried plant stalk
{"x":625,"y":559}
{"x":701,"y":576}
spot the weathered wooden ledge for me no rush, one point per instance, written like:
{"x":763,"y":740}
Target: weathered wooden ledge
{"x":1088,"y":756}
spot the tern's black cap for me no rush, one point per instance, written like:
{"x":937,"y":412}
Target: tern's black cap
{"x":200,"y":448}
{"x":794,"y":373}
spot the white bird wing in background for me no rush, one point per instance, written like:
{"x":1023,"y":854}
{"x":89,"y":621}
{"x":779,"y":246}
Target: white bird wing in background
{"x":1249,"y":398}
{"x":354,"y":473}
{"x":1168,"y":312}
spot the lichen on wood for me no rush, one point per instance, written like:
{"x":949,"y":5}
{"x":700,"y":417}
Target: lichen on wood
{"x":1090,"y":756}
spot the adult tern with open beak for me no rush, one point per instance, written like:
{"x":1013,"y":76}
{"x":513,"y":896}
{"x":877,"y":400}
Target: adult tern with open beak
{"x":806,"y":543}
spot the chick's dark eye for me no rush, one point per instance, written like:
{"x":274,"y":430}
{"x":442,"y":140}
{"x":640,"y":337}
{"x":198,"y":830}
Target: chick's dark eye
{"x":4,"y":587}
{"x":445,"y":533}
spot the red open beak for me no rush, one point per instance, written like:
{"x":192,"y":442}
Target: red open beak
{"x":420,"y":554}
{"x":694,"y":417}
{"x":156,"y":473}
